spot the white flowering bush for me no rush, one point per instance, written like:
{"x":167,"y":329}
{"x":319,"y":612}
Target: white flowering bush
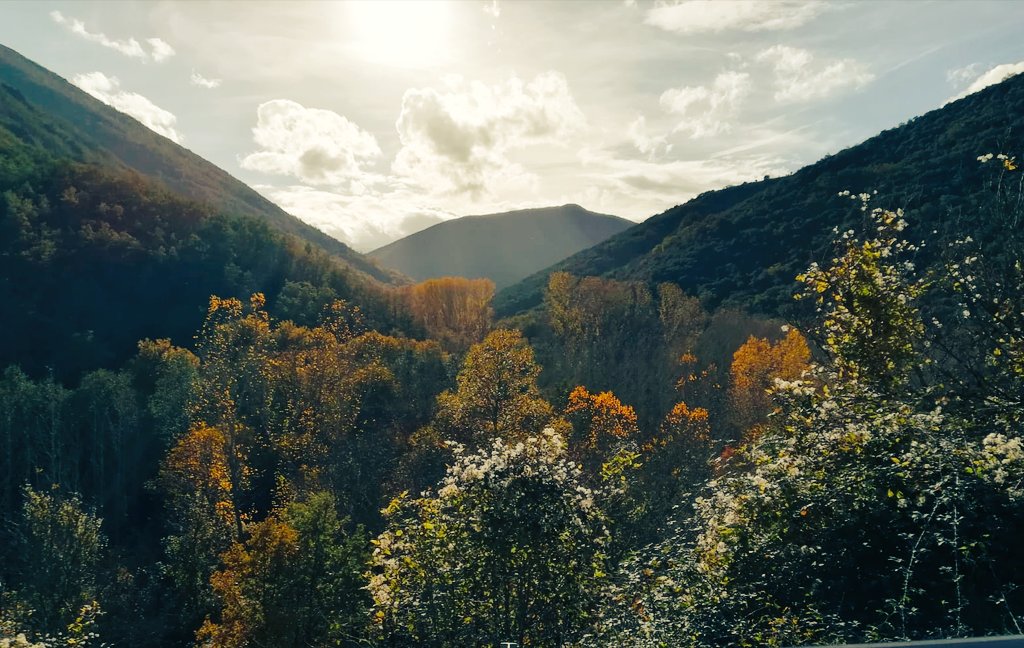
{"x":882,"y":500}
{"x":511,"y":547}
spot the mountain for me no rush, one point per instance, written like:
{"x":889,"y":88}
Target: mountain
{"x":45,"y":111}
{"x":502,"y":247}
{"x":744,"y":244}
{"x":110,"y":233}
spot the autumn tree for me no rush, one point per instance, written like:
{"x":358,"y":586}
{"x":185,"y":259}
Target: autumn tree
{"x":496,"y":394}
{"x":296,"y":580}
{"x":601,"y":425}
{"x":453,"y":310}
{"x":755,"y":367}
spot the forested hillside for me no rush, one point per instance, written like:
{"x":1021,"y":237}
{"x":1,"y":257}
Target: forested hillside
{"x":742,"y":245}
{"x":43,"y":111}
{"x":503,"y":247}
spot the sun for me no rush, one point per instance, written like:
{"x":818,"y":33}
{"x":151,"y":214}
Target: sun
{"x":401,"y":33}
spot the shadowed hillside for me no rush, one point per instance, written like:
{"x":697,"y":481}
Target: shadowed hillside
{"x":44,"y":111}
{"x":744,"y":244}
{"x":502,"y":247}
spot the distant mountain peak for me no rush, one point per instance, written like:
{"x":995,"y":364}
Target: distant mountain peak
{"x":503,"y":247}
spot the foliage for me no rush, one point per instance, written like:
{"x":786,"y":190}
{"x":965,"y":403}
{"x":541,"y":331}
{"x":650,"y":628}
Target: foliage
{"x":295,"y":580}
{"x":509,"y":548}
{"x":59,"y":544}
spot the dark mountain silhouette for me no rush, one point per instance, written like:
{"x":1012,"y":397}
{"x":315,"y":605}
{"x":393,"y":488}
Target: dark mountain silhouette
{"x":502,"y":247}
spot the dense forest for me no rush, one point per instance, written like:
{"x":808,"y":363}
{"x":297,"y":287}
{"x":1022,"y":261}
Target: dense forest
{"x":321,"y":483}
{"x":215,"y":432}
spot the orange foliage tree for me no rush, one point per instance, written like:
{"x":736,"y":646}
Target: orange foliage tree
{"x":755,"y":366}
{"x":601,"y":426}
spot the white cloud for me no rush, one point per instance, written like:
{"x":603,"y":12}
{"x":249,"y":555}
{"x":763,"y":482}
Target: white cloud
{"x":457,"y":140}
{"x":364,"y":222}
{"x":649,"y":145}
{"x":959,"y":76}
{"x":199,"y":80}
{"x":998,"y":74}
{"x":798,"y":77}
{"x":316,"y":146}
{"x":705,"y":111}
{"x":695,"y":16}
{"x":159,"y":50}
{"x":108,"y":90}
{"x":492,"y":9}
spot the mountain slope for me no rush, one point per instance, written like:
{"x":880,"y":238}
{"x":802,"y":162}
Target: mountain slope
{"x":70,"y":123}
{"x":502,"y":247}
{"x":745,"y":244}
{"x":96,"y":255}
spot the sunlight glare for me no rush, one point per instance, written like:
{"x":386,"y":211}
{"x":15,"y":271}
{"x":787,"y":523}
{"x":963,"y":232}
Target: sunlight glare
{"x":401,"y":33}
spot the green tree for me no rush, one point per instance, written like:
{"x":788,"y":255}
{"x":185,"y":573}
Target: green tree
{"x":509,"y":548}
{"x":59,"y":548}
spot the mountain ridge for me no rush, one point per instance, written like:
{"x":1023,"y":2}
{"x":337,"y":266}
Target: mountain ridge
{"x":742,"y":245}
{"x":504,"y":247}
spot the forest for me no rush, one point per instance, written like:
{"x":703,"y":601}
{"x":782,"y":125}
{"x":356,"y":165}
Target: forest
{"x":329,"y":462}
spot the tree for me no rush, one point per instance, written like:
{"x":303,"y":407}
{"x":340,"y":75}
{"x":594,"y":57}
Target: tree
{"x":755,"y":367}
{"x":602,"y":425}
{"x":59,"y":547}
{"x":788,"y":548}
{"x":510,"y":547}
{"x":496,"y":395}
{"x":294,"y":581}
{"x":453,"y":310}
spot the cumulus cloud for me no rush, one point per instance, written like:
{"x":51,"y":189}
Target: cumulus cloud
{"x":159,"y":50}
{"x":799,"y":77}
{"x":705,"y":110}
{"x":998,"y":74}
{"x":203,"y":82}
{"x":108,"y":90}
{"x":457,"y":139}
{"x":316,"y":146}
{"x":695,"y":16}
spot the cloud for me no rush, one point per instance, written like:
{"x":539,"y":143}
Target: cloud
{"x":667,"y":183}
{"x":798,"y":77}
{"x":364,"y":222}
{"x":961,"y":75}
{"x":199,"y":80}
{"x":998,"y":74}
{"x":158,"y":52}
{"x":704,"y":110}
{"x":457,"y":140}
{"x":696,"y":16}
{"x":316,"y":146}
{"x":108,"y":90}
{"x":649,"y":145}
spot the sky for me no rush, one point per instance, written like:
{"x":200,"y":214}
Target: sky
{"x":372,"y":120}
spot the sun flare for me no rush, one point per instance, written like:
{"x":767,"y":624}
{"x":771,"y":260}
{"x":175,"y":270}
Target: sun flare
{"x":401,"y":33}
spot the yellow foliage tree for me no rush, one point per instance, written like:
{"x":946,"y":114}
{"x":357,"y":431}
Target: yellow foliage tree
{"x":755,"y":366}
